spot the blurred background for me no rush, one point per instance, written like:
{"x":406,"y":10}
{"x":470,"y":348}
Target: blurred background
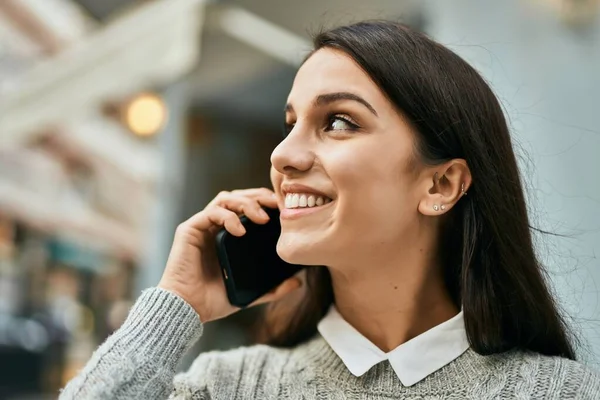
{"x":121,"y":118}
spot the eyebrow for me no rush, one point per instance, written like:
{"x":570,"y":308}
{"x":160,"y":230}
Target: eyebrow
{"x":328,"y":98}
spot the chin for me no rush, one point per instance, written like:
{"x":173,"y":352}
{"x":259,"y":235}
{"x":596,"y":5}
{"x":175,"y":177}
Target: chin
{"x":301,"y":249}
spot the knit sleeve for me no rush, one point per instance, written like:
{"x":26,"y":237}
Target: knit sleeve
{"x":139,"y":360}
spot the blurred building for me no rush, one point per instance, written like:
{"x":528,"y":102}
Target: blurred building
{"x":121,"y":118}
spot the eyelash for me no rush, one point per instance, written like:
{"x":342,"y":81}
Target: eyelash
{"x":353,"y":127}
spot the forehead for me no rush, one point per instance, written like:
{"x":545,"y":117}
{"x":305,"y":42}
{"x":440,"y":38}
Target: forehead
{"x":329,"y":71}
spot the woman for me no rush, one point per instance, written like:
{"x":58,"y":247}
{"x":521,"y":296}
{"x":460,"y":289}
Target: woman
{"x":397,"y":173}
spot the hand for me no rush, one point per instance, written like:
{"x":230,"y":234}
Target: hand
{"x":193,"y":270}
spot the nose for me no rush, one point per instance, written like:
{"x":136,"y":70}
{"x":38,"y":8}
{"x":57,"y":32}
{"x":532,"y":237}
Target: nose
{"x":293,"y":154}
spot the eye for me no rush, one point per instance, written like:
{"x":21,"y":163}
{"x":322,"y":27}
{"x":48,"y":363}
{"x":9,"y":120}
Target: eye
{"x":339,"y":122}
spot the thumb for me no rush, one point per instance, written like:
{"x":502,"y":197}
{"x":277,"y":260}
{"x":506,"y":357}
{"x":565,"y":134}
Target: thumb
{"x":284,"y":288}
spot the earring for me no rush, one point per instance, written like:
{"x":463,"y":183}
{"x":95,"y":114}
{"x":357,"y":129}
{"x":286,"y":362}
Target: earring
{"x":436,"y":207}
{"x":443,"y":207}
{"x":462,"y":189}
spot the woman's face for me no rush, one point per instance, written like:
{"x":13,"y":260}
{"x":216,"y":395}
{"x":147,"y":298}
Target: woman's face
{"x":346,"y":175}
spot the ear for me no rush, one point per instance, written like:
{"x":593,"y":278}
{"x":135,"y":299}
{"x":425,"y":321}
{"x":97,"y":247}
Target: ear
{"x":444,"y":185}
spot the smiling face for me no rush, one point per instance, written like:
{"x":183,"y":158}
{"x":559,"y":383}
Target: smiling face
{"x":346,"y":175}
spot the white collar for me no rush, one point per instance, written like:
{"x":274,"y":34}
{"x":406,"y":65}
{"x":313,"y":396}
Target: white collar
{"x":412,"y":361}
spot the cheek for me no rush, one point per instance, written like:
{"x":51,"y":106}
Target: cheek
{"x":375,"y":193}
{"x":369,"y":175}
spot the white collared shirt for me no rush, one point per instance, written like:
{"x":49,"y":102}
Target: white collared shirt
{"x":412,"y":361}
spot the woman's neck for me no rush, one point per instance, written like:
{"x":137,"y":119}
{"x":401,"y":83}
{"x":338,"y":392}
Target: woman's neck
{"x":391,"y":304}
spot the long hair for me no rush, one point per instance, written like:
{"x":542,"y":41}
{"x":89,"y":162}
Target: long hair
{"x":491,"y":268}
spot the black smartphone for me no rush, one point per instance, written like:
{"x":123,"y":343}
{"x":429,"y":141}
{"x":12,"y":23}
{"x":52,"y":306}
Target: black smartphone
{"x":249,"y":264}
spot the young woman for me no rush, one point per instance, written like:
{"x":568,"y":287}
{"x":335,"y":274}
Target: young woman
{"x":397,"y":173}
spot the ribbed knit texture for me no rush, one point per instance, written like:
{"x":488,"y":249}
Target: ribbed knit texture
{"x":139,"y":361}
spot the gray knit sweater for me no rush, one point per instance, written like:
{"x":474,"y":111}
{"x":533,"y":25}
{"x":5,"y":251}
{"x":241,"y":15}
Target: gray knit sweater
{"x":139,"y":361}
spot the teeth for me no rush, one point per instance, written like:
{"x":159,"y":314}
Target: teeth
{"x":301,"y":200}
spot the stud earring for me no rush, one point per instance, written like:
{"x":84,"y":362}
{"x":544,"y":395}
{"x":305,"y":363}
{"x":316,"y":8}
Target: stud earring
{"x":462,"y":189}
{"x":436,"y":207}
{"x":443,"y":207}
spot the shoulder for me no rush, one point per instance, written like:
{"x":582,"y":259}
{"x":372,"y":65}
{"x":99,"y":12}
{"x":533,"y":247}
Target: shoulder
{"x":549,"y":377}
{"x":232,"y":370}
{"x":572,"y":377}
{"x":550,"y":366}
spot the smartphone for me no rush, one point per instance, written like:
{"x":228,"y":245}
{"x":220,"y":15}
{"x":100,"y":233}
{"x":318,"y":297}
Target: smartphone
{"x":249,"y":264}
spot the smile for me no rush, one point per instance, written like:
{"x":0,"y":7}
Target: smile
{"x":304,"y":200}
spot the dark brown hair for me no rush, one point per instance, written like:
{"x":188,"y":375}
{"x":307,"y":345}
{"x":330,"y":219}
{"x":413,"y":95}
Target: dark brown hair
{"x":491,"y":266}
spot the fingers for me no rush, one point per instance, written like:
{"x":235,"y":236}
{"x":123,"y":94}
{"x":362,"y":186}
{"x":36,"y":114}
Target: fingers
{"x":248,"y":202}
{"x":247,"y":206}
{"x":255,"y":193}
{"x":264,"y":197}
{"x":224,"y":209}
{"x":217,"y":216}
{"x":285,"y":288}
